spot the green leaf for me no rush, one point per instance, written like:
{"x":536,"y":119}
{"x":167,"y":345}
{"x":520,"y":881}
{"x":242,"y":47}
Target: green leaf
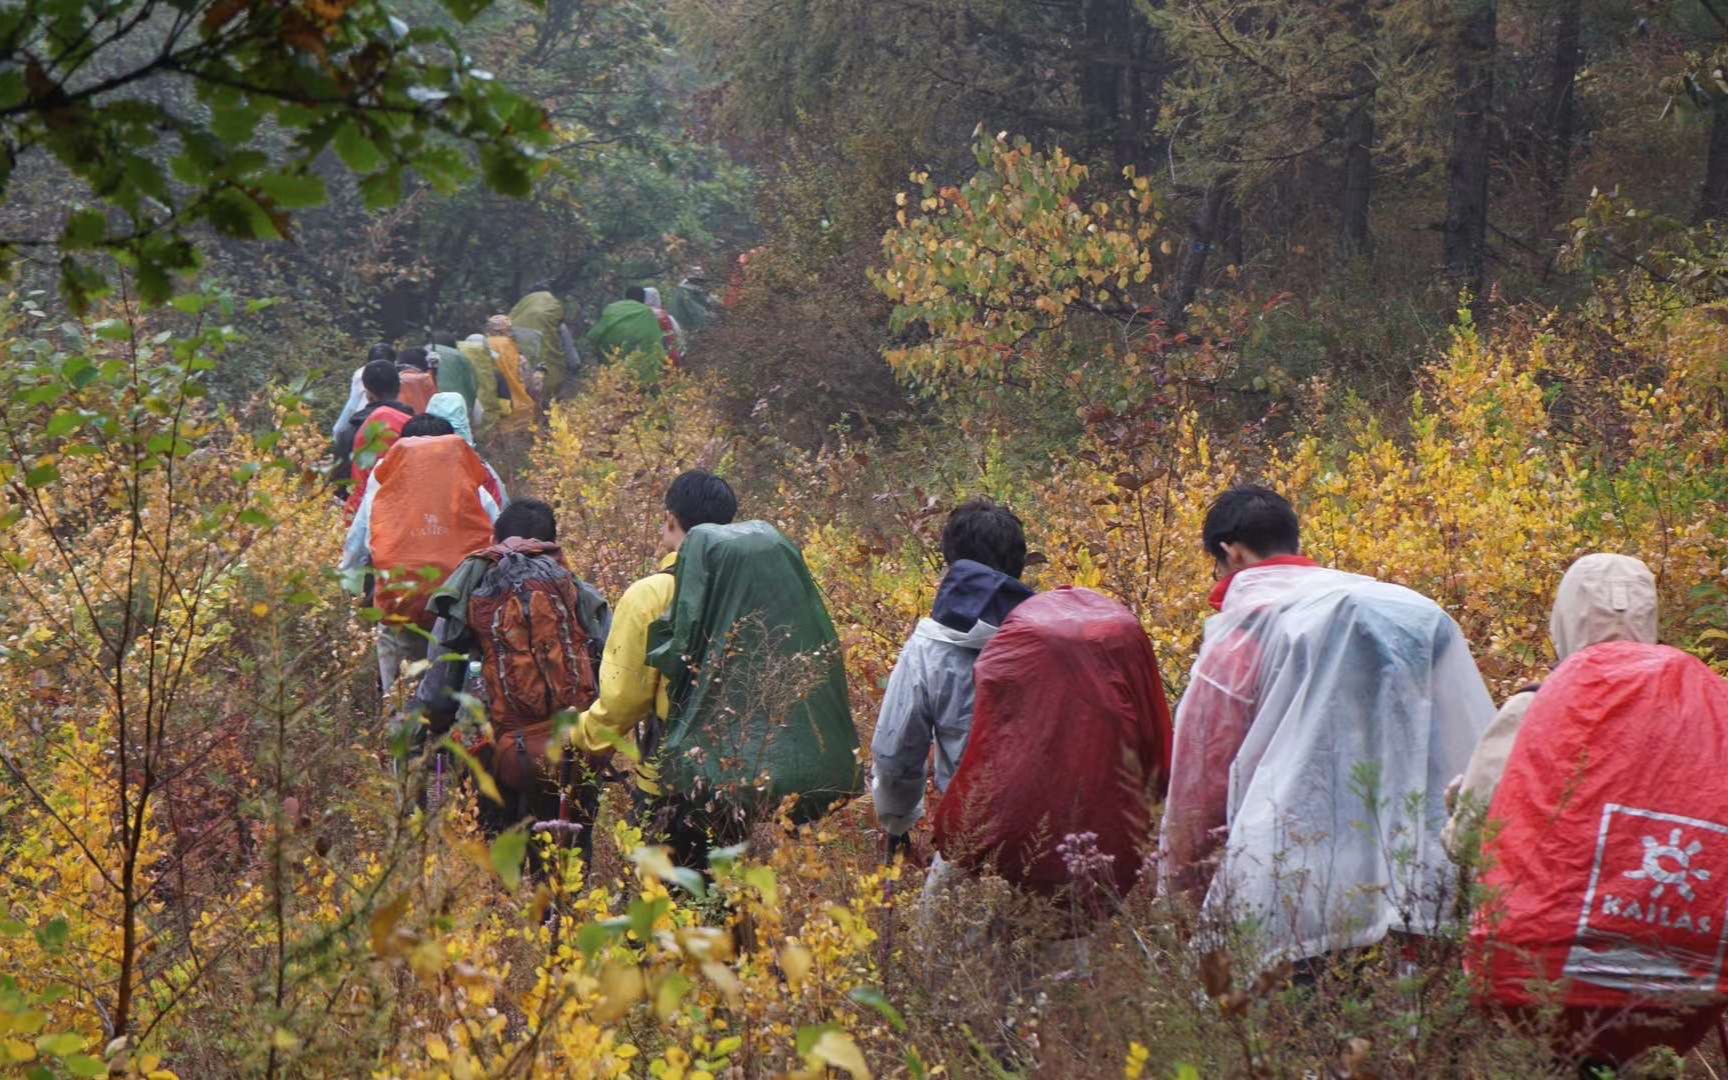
{"x":445,"y":169}
{"x":84,"y":1065}
{"x":234,"y":213}
{"x":645,"y":913}
{"x":464,"y":10}
{"x":506,"y":172}
{"x":383,"y":190}
{"x":84,"y":229}
{"x":596,"y":936}
{"x":356,"y":150}
{"x":809,"y":1034}
{"x":508,"y":851}
{"x":41,"y":476}
{"x":235,"y":124}
{"x":61,"y":423}
{"x":293,"y":191}
{"x":876,"y":999}
{"x":62,"y":1044}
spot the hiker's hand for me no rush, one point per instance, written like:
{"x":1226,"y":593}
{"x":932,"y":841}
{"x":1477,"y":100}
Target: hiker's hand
{"x":600,"y":766}
{"x":1452,"y":790}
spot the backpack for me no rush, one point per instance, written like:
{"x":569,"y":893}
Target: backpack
{"x":1604,"y":863}
{"x":538,"y":658}
{"x":1071,"y":735}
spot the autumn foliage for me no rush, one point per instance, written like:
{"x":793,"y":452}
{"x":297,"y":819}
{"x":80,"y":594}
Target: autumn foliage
{"x":221,"y":859}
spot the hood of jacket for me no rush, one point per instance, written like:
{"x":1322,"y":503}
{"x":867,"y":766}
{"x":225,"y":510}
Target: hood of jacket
{"x":522,"y":545}
{"x":358,"y":420}
{"x":1603,"y":597}
{"x":449,"y":405}
{"x":974,"y":638}
{"x":972,"y":592}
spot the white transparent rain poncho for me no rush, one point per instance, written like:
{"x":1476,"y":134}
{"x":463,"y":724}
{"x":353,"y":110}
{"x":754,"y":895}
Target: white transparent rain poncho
{"x":1325,"y":716}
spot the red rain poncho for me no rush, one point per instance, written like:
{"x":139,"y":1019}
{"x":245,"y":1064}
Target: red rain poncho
{"x":1070,"y":735}
{"x":1608,"y":851}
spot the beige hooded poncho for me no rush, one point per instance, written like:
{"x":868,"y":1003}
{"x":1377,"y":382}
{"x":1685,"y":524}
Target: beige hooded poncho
{"x":1602,"y":598}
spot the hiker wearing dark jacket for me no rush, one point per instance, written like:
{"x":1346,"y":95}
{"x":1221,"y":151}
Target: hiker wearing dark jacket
{"x":381,"y":384}
{"x":930,"y":693}
{"x":356,"y":388}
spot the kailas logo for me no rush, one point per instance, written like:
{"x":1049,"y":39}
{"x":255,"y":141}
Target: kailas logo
{"x":1654,"y":909}
{"x":1657,"y":859}
{"x":432,"y":526}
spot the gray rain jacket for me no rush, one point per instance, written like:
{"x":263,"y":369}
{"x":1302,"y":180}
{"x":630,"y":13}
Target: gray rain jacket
{"x":929,"y":699}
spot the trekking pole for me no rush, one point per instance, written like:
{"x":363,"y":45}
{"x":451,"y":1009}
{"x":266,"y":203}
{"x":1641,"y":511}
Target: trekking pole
{"x":437,"y":799}
{"x":894,"y":844}
{"x":563,"y":830}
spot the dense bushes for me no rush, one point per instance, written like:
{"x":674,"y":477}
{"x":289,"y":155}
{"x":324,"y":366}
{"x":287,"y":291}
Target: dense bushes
{"x":205,"y":816}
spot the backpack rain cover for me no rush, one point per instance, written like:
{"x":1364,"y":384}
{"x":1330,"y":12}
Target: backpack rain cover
{"x":1070,"y":734}
{"x":755,"y":677}
{"x":1607,"y":850}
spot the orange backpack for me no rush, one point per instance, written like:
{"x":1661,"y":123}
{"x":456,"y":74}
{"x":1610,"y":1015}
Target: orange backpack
{"x":417,"y":389}
{"x":426,"y":518}
{"x":537,"y":657}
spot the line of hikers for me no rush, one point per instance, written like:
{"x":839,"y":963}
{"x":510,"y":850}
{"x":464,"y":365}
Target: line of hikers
{"x":506,"y":376}
{"x":1334,"y":777}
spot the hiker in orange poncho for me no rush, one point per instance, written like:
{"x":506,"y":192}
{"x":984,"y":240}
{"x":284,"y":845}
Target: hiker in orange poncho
{"x":524,"y":407}
{"x":427,"y":505}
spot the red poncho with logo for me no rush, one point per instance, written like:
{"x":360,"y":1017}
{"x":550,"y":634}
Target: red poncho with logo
{"x":1608,"y":837}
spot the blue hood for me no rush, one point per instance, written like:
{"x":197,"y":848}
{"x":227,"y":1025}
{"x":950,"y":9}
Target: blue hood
{"x":972,"y":593}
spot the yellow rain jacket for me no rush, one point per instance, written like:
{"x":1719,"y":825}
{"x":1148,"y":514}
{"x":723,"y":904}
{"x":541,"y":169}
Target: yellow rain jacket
{"x":629,"y":687}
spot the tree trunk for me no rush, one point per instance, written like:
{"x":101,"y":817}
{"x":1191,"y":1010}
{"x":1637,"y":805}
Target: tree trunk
{"x":1562,"y":115}
{"x":1713,"y":201}
{"x":1203,"y":230}
{"x":1467,"y":165}
{"x":1106,"y":32}
{"x":1353,"y":235}
{"x":1358,"y":189}
{"x":1562,"y":101}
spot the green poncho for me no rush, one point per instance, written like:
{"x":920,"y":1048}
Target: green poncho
{"x":456,"y":375}
{"x":535,"y":320}
{"x":755,"y":678}
{"x":631,"y":329}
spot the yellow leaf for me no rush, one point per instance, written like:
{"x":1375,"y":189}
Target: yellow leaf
{"x":18,"y":1050}
{"x":383,"y":925}
{"x":836,"y":1049}
{"x":260,"y":610}
{"x":795,"y":961}
{"x":621,"y":986}
{"x":436,"y":1050}
{"x":283,"y":1039}
{"x":721,"y":976}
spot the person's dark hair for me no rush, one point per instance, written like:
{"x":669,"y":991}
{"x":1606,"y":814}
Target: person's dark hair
{"x":701,"y":498}
{"x":413,"y":356}
{"x":381,"y":378}
{"x":636,"y":293}
{"x":444,"y":338}
{"x":529,"y":519}
{"x":381,"y":351}
{"x":543,"y":285}
{"x":427,"y":424}
{"x":1256,"y":517}
{"x":985,"y":532}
